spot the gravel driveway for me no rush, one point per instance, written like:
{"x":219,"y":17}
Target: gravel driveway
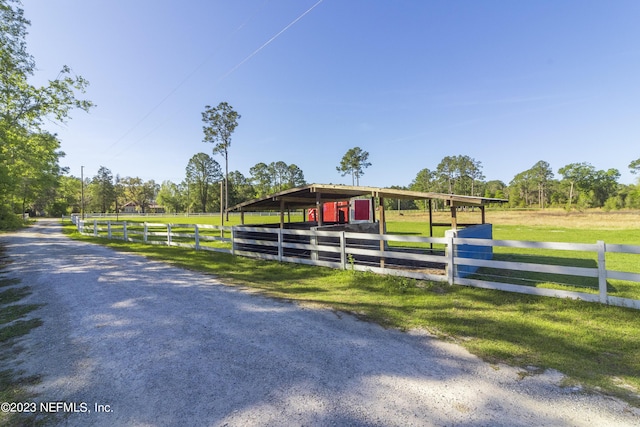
{"x":156,"y":345}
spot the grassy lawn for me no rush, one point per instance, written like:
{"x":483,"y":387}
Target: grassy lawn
{"x":595,"y":345}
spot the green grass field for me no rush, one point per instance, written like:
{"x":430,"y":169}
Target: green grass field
{"x":595,"y":345}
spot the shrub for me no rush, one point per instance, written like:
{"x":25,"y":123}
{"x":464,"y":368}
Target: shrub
{"x":8,"y":219}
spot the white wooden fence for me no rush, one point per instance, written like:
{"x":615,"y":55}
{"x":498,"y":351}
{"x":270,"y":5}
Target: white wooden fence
{"x":429,"y":258}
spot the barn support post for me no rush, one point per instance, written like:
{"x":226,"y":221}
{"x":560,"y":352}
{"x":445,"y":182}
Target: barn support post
{"x":373,"y":209}
{"x":454,"y":217}
{"x":483,"y":214}
{"x":281,"y":214}
{"x":319,"y":210}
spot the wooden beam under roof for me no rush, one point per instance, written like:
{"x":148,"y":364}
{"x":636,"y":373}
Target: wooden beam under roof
{"x":344,"y":190}
{"x":302,"y":197}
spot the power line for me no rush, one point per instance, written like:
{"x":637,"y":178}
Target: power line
{"x":183,"y":81}
{"x":255,"y":52}
{"x":227,"y":74}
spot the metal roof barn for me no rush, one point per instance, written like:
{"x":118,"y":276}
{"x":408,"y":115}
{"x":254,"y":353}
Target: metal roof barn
{"x":314,"y":195}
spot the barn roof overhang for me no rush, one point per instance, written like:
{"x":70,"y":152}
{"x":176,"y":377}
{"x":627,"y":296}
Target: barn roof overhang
{"x":307,"y":197}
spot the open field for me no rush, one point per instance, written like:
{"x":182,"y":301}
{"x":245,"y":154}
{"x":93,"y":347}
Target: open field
{"x":595,"y":345}
{"x":592,"y":218}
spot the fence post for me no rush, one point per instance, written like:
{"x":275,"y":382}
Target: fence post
{"x":602,"y":272}
{"x":124,"y":231}
{"x":145,"y":235}
{"x":95,"y":228}
{"x":313,"y":240}
{"x":279,"y":244}
{"x":168,"y":234}
{"x":197,"y":236}
{"x":109,"y":229}
{"x":343,"y":251}
{"x":450,"y":253}
{"x":233,"y":241}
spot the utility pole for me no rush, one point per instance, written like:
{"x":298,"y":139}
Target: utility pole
{"x":82,"y":192}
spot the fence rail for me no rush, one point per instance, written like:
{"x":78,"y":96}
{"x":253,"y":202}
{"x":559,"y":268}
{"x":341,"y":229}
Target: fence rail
{"x":450,"y":259}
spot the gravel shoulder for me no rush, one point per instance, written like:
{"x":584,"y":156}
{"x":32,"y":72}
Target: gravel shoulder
{"x":162,"y":346}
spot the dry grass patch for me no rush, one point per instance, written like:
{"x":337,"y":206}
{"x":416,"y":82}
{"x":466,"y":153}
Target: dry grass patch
{"x":589,"y":219}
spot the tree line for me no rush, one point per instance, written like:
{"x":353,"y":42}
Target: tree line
{"x":205,"y":188}
{"x":201,"y":190}
{"x":579,"y":185}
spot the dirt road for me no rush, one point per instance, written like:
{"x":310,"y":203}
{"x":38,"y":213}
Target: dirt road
{"x":155,"y":345}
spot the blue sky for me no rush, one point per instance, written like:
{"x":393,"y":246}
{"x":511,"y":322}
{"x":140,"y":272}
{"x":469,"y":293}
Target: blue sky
{"x":410,"y":81}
